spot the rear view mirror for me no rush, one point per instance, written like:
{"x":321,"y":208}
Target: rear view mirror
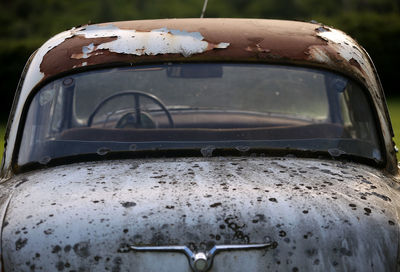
{"x":195,"y":71}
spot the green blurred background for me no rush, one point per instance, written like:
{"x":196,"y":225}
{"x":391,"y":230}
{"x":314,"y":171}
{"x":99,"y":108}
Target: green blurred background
{"x":27,"y":24}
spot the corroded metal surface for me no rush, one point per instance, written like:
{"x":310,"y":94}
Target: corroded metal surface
{"x":323,"y":215}
{"x":188,"y":40}
{"x":177,"y":39}
{"x":95,"y":43}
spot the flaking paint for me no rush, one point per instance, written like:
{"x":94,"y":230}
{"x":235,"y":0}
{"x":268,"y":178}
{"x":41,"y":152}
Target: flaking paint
{"x":347,"y":49}
{"x":154,"y":42}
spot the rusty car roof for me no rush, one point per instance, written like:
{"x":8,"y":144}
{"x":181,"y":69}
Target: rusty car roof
{"x":149,"y":41}
{"x":204,"y":40}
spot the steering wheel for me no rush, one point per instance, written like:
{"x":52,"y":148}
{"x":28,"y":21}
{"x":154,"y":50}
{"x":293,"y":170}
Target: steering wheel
{"x":138,"y":113}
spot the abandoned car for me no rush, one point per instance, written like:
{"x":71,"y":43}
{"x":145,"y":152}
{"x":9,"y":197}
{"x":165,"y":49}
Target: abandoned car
{"x":199,"y":145}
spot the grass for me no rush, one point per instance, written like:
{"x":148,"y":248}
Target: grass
{"x":2,"y":132}
{"x":394,"y":109}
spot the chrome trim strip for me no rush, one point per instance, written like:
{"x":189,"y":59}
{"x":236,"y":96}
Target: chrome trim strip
{"x":217,"y":249}
{"x":192,"y":256}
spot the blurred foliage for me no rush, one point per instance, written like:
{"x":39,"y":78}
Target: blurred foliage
{"x":374,"y":23}
{"x":394,"y":109}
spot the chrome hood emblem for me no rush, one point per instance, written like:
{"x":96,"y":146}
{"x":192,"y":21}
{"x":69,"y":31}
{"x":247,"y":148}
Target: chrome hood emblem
{"x":200,"y":261}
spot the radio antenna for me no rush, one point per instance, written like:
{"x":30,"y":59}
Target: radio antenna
{"x":204,"y":9}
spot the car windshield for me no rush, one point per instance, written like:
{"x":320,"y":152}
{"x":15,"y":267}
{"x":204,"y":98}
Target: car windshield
{"x":202,"y":107}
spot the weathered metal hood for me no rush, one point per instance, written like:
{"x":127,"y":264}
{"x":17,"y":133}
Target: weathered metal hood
{"x":320,"y":215}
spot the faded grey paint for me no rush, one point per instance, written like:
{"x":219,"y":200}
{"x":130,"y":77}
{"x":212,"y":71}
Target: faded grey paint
{"x":324,"y":215}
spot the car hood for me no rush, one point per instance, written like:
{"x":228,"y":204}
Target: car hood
{"x":317,"y":215}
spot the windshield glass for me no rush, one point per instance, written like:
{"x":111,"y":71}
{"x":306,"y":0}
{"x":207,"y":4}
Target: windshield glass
{"x":200,"y":107}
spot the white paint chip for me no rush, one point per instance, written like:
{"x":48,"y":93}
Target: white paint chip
{"x":157,"y":41}
{"x":86,"y":50}
{"x":348,"y":49}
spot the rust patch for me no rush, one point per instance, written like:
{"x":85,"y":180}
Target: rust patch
{"x":59,"y":60}
{"x":355,"y":63}
{"x":248,"y":40}
{"x":273,"y":41}
{"x":257,"y":48}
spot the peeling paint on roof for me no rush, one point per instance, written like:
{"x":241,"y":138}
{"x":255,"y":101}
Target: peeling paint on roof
{"x":132,"y":42}
{"x":157,"y":41}
{"x":319,"y":54}
{"x":87,"y":50}
{"x":347,"y":48}
{"x":53,"y":43}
